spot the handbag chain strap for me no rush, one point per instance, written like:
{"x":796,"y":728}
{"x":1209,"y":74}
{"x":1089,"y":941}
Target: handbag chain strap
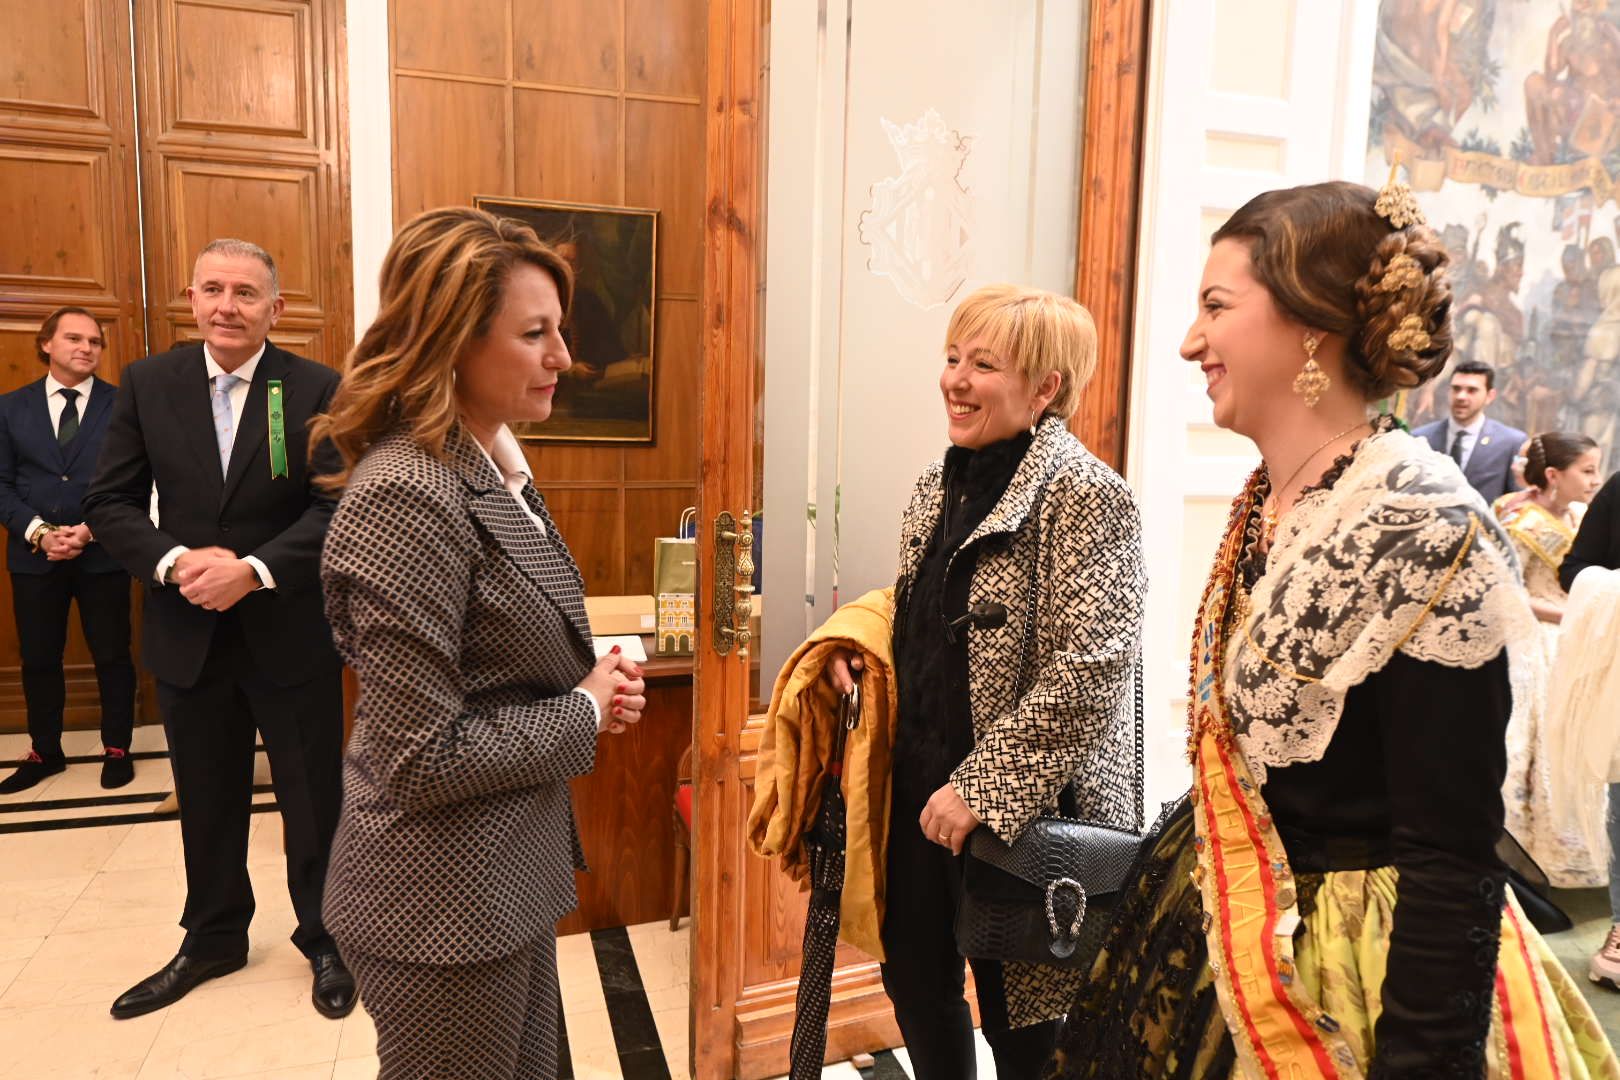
{"x":1026,"y":675}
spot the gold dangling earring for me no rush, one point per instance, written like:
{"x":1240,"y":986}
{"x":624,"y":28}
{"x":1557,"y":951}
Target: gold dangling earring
{"x":1312,"y":381}
{"x":1032,"y":421}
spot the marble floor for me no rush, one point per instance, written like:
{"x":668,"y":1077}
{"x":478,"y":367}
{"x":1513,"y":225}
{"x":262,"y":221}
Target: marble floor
{"x":91,"y":887}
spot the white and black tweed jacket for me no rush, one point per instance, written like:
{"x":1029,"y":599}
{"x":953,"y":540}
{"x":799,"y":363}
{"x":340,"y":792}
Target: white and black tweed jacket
{"x":467,"y":629}
{"x":1051,"y":702}
{"x":1075,"y":719}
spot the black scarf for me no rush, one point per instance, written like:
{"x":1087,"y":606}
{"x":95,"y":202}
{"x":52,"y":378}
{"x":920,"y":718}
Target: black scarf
{"x":936,"y":721}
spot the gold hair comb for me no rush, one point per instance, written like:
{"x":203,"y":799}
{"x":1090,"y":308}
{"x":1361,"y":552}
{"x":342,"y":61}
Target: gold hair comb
{"x":1396,"y":204}
{"x":1403,"y":272}
{"x":1410,"y":336}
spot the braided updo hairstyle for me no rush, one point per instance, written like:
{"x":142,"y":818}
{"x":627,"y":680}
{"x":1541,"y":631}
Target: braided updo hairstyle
{"x":1332,"y":263}
{"x":1553,"y":450}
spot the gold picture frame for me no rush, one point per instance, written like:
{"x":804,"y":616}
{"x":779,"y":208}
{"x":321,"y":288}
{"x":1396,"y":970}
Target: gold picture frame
{"x":606,"y":397}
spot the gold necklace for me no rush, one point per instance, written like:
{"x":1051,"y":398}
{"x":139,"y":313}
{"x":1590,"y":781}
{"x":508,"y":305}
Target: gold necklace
{"x":1269,"y":517}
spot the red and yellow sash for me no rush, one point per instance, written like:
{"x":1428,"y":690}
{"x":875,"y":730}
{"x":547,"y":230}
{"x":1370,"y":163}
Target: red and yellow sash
{"x":1243,"y":873}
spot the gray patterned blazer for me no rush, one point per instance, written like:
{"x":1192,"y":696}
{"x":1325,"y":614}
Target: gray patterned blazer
{"x":468,"y":632}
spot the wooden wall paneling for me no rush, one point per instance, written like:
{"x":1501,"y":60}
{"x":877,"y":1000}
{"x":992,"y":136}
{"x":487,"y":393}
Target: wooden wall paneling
{"x":567,"y":145}
{"x":564,"y":463}
{"x":649,"y":512}
{"x":567,"y":42}
{"x":678,"y":374}
{"x":659,"y":141}
{"x":451,"y":144}
{"x":463,"y":37}
{"x":664,"y":47}
{"x":588,"y":519}
{"x":68,"y":197}
{"x":1110,"y":201}
{"x":242,"y":134}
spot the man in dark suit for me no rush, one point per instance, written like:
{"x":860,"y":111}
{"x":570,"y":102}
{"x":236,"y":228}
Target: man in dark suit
{"x":234,"y":629}
{"x":50,"y":434}
{"x":1483,"y":448}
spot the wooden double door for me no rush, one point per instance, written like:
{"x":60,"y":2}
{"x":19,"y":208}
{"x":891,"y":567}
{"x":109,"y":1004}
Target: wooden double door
{"x":132,"y":132}
{"x":823,"y":320}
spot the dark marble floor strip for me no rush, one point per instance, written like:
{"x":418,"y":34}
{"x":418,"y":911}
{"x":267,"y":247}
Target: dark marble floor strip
{"x":641,"y":1052}
{"x":54,"y":824}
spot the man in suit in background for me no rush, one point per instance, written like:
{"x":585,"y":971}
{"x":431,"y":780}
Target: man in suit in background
{"x":1483,"y":448}
{"x":50,"y":434}
{"x":234,"y":627}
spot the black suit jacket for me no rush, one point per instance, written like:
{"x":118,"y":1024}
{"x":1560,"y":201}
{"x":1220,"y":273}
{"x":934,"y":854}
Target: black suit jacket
{"x":1598,"y":542}
{"x":162,"y":430}
{"x":1490,"y":466}
{"x":41,"y":478}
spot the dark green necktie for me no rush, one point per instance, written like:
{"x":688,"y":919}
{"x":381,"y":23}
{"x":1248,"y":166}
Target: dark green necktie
{"x":69,"y":426}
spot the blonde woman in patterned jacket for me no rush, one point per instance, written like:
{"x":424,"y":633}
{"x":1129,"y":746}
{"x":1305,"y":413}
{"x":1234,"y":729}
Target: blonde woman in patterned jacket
{"x":460,"y":609}
{"x":1015,"y":492}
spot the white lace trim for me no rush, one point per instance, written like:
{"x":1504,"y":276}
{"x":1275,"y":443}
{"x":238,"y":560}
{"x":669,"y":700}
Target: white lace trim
{"x":1399,"y":554}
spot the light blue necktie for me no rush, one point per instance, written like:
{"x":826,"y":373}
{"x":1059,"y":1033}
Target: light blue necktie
{"x":222,"y":418}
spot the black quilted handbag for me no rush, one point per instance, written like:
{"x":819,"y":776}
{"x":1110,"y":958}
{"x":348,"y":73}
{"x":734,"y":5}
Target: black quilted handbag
{"x":1047,"y":897}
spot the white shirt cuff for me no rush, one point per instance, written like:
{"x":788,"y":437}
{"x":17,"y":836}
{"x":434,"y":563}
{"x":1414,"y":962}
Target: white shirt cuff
{"x":167,"y":561}
{"x":595,"y":707}
{"x":263,"y":570}
{"x":28,"y":533}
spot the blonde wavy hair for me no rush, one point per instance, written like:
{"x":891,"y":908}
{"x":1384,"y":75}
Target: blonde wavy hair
{"x":443,"y":281}
{"x":1037,"y":332}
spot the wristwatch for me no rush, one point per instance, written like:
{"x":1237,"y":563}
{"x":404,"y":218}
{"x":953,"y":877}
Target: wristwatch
{"x":39,"y":533}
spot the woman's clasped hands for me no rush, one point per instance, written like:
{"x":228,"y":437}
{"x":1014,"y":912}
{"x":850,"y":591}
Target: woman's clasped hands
{"x":620,"y":691}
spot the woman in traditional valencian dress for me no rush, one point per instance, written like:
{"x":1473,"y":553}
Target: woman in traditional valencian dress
{"x":1328,"y":901}
{"x":1561,"y":470}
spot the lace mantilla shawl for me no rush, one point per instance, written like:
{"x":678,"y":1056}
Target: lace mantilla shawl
{"x":1399,"y":554}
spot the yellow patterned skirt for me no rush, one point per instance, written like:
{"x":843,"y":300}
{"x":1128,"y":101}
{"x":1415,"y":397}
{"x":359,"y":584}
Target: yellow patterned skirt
{"x":1150,"y":1008}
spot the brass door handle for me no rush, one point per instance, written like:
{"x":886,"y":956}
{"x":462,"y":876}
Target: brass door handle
{"x":733,"y":583}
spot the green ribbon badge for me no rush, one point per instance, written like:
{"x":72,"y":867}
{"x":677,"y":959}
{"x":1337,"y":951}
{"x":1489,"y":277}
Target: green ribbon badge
{"x":278,"y":432}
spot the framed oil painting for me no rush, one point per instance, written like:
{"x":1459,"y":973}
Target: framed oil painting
{"x":607,"y":395}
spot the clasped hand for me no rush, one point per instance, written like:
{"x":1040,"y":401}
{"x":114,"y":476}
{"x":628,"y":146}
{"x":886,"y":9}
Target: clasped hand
{"x":67,"y":542}
{"x":620,"y":691}
{"x":213,"y":577}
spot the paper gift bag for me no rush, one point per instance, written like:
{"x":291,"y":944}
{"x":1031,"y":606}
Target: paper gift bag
{"x":675,"y":589}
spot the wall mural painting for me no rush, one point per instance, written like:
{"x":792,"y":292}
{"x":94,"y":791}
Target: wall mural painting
{"x":607,"y":395}
{"x":1505,"y":116}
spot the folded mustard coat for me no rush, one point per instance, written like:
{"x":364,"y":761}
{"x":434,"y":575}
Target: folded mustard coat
{"x":795,"y":753}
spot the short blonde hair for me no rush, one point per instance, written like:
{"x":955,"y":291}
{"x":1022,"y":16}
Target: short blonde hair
{"x":1038,"y":332}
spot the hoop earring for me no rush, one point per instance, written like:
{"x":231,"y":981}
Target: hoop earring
{"x":1032,"y":421}
{"x":1311,"y":381}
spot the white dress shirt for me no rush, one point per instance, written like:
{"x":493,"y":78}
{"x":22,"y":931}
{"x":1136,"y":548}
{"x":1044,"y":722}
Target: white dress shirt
{"x":238,"y":399}
{"x":1470,"y":437}
{"x":505,"y":456}
{"x":57,"y":405}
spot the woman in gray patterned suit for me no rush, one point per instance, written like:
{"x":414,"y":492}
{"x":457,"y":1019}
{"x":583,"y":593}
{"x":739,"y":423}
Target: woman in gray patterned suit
{"x":460,"y":609}
{"x":994,"y":724}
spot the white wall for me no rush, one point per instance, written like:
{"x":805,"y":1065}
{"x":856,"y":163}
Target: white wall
{"x":371,"y":153}
{"x":1245,"y":96}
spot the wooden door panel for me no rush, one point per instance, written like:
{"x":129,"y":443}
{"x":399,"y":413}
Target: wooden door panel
{"x":48,"y":54}
{"x":247,"y":69}
{"x":567,"y":145}
{"x":61,"y":238}
{"x":216,"y":198}
{"x":467,"y":37}
{"x":664,"y":47}
{"x":454,"y":146}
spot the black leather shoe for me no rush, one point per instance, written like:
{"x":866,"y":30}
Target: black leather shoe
{"x":177,"y":979}
{"x":116,"y":768}
{"x":333,"y":993}
{"x":30,"y":771}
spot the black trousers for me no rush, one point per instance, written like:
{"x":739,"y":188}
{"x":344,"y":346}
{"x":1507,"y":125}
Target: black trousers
{"x":924,"y":975}
{"x":211,"y":727}
{"x":41,"y":603}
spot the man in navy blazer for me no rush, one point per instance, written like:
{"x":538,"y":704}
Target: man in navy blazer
{"x":50,"y":434}
{"x":1482,"y":447}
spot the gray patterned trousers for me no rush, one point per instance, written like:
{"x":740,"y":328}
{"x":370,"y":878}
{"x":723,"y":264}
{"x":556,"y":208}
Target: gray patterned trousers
{"x":495,"y":1020}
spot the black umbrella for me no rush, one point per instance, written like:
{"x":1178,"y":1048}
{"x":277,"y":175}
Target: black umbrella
{"x":825,"y":840}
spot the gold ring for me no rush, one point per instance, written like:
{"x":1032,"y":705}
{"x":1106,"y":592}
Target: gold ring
{"x":944,"y":838}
